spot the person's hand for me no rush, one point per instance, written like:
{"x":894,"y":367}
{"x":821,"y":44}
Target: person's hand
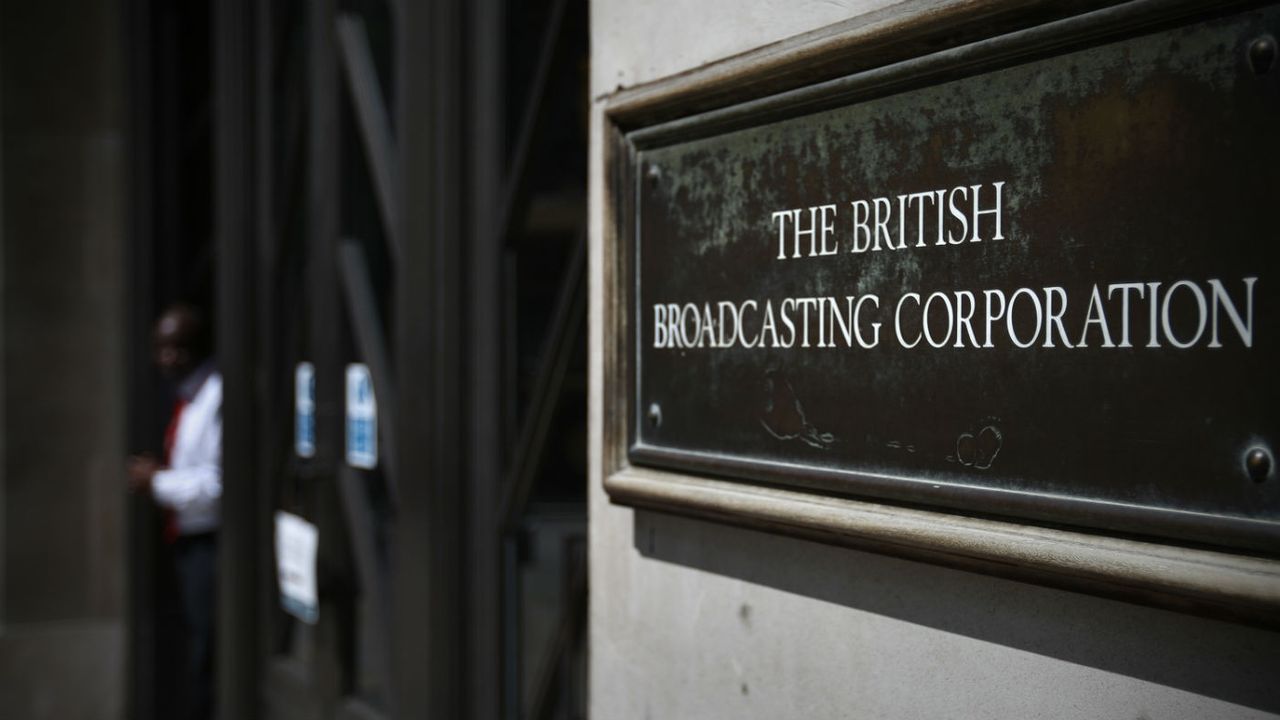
{"x":141,"y":468}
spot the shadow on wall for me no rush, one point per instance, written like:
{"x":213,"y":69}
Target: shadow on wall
{"x":1216,"y":659}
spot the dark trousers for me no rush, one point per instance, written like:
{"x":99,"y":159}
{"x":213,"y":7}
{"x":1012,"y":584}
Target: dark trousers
{"x":196,"y":558}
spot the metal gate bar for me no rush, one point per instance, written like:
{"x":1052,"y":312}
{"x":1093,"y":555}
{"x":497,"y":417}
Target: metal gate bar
{"x":427,"y":568}
{"x":236,"y":230}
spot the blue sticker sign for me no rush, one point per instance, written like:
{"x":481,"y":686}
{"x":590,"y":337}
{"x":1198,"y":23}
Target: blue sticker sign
{"x":304,"y":424}
{"x":362,"y":418}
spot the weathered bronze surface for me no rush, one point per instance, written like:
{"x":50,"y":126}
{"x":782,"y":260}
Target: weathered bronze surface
{"x":1151,"y":159}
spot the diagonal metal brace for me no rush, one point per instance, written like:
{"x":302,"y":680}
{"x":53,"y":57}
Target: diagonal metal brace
{"x":362,"y":310}
{"x":566,"y":322}
{"x":373,"y":118}
{"x":514,"y":199}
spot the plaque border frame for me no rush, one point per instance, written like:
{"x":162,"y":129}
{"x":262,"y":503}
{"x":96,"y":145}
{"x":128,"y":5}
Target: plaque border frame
{"x":905,"y":46}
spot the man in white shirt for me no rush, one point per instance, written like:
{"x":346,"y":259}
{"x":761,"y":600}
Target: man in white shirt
{"x":187,"y":484}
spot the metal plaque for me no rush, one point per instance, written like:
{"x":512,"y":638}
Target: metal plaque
{"x":1047,"y":289}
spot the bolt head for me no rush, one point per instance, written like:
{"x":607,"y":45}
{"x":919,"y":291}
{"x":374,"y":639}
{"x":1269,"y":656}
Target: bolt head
{"x":1258,"y":463}
{"x":1262,"y":54}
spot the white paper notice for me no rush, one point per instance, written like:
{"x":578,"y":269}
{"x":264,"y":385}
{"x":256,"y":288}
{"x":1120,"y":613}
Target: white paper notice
{"x":296,"y":541}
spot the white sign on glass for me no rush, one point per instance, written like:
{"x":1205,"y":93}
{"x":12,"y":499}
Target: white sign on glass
{"x":296,"y":543}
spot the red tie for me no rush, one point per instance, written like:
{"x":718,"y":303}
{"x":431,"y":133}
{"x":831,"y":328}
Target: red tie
{"x":170,"y":435}
{"x":171,"y":432}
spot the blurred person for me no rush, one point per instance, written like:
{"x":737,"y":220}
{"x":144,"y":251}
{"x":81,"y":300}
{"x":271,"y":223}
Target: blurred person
{"x":187,"y":484}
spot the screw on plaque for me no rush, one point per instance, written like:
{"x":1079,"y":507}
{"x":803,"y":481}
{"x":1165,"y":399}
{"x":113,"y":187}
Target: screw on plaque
{"x":1262,"y":54}
{"x":655,"y":415}
{"x":1258,"y":464}
{"x":654,"y":174}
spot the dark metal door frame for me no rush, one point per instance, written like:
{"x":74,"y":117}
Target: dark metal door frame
{"x":432,"y":144}
{"x":256,"y":361}
{"x":251,"y":355}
